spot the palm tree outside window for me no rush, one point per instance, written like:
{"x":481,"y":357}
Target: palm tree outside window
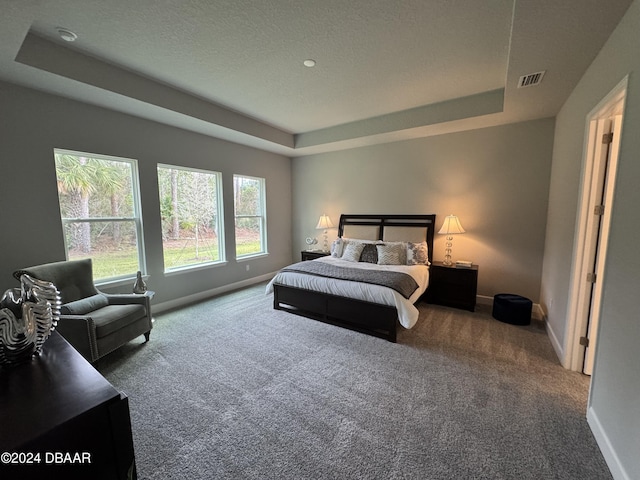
{"x":100,"y":212}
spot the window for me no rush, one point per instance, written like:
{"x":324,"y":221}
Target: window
{"x":250,"y":216}
{"x":100,"y":210}
{"x":191,"y":211}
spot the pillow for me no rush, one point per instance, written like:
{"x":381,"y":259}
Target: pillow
{"x":352,"y":251}
{"x":392,"y":253}
{"x":369,"y":253}
{"x":340,"y":243}
{"x":417,"y":253}
{"x":84,"y":305}
{"x":337,"y":247}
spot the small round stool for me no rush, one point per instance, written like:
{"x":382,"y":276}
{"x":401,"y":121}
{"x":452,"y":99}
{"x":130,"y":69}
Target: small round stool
{"x":513,"y":309}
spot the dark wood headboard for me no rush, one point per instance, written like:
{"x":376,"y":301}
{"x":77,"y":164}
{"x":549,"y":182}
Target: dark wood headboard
{"x":382,"y":221}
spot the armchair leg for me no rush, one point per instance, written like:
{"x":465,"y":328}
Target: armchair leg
{"x":147,"y":335}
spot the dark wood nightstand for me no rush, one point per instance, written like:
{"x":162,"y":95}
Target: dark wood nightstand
{"x":313,"y":254}
{"x":453,"y":287}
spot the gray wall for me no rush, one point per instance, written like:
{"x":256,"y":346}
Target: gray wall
{"x":34,"y":123}
{"x":496,"y":180}
{"x":614,"y":406}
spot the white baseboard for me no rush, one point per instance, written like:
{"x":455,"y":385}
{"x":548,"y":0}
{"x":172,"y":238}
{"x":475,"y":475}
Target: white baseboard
{"x":613,"y":462}
{"x":484,"y":300}
{"x":557,"y":346}
{"x":197,"y":297}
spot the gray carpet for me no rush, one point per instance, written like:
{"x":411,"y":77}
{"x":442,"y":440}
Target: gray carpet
{"x":232,"y":389}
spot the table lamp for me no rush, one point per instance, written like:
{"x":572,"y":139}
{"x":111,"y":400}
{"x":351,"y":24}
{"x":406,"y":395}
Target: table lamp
{"x":323,"y":224}
{"x":450,"y":227}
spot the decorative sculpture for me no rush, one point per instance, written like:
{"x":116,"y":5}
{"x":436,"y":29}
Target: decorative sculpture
{"x":139,"y":286}
{"x":28,"y":315}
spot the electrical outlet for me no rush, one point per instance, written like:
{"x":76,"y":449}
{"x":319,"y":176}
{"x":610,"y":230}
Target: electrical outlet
{"x":248,"y":267}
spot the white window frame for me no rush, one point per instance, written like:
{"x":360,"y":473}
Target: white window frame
{"x":136,"y":219}
{"x":262,"y":217}
{"x":219,"y":215}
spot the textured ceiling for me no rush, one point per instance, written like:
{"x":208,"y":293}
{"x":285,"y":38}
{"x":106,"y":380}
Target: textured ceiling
{"x":386,"y":70}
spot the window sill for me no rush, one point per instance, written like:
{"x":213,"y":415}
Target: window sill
{"x":191,"y":268}
{"x":246,"y":258}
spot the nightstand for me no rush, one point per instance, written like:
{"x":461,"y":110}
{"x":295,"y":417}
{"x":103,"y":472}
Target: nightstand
{"x":453,"y":287}
{"x":313,"y":254}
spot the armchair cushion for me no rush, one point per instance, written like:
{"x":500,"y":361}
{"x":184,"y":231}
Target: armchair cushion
{"x":84,"y":305}
{"x":114,"y":317}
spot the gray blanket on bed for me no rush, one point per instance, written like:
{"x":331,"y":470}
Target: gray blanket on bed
{"x":403,"y":283}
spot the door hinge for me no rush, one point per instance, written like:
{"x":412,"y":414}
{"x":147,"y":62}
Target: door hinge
{"x":598,"y":210}
{"x":584,"y":341}
{"x":591,"y":277}
{"x":607,"y":138}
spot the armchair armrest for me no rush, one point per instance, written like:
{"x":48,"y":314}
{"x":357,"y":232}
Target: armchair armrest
{"x":134,"y":298}
{"x":129,"y":298}
{"x":79,"y":330}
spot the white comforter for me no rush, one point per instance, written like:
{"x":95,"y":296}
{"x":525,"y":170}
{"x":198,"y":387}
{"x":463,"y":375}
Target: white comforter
{"x":407,"y":312}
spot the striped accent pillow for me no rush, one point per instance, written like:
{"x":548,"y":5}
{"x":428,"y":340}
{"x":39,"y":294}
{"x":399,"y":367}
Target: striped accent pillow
{"x":392,"y":254}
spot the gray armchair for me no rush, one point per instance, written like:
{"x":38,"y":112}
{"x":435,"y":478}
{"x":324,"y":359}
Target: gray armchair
{"x":93,"y":322}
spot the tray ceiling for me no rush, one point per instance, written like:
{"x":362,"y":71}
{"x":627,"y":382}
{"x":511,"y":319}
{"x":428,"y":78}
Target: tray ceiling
{"x":385,"y":70}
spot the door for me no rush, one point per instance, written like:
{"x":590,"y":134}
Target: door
{"x":600,"y":206}
{"x":594,"y":218}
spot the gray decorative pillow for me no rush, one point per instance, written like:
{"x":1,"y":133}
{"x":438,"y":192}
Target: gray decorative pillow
{"x":369,"y":253}
{"x":84,"y":305}
{"x":417,"y":253}
{"x":392,"y":254}
{"x":352,"y":251}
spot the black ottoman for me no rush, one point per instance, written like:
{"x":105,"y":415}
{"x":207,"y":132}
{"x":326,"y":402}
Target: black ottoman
{"x":512,"y":309}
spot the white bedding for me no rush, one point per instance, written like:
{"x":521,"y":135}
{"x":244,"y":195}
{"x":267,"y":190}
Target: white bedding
{"x":407,"y":312}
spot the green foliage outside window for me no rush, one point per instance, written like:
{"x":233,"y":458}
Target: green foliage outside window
{"x":249,"y":215}
{"x":189,"y":208}
{"x":97,"y":208}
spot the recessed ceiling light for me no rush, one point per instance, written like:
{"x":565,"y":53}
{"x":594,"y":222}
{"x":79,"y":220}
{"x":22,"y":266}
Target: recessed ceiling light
{"x":309,"y":63}
{"x":67,"y":35}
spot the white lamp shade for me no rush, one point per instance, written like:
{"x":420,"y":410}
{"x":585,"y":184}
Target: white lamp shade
{"x":451,"y":225}
{"x":324,"y":222}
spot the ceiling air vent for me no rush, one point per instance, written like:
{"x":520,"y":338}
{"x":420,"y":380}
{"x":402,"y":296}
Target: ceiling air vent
{"x":531,"y":79}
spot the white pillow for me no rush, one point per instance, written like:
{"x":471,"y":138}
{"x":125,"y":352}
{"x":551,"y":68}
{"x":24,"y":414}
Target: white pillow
{"x":417,"y":253}
{"x":337,"y":247}
{"x":340,"y":243}
{"x":352,"y":251}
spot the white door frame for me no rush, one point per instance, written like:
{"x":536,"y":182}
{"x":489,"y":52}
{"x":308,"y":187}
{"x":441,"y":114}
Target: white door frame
{"x":580,"y":289}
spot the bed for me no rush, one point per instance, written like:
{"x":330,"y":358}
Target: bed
{"x":362,"y":299}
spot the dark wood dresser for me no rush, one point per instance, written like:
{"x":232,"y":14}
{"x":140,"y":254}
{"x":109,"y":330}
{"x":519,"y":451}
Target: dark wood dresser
{"x":59,"y":418}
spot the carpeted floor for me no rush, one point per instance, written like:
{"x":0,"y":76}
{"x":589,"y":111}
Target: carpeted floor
{"x":232,"y":389}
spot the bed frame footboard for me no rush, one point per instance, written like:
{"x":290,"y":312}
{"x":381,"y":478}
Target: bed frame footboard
{"x":365,"y":317}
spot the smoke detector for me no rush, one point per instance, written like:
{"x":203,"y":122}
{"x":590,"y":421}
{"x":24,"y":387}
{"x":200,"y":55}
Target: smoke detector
{"x":66,"y":34}
{"x":531,"y":80}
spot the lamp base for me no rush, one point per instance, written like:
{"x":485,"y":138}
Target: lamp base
{"x":447,"y":251}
